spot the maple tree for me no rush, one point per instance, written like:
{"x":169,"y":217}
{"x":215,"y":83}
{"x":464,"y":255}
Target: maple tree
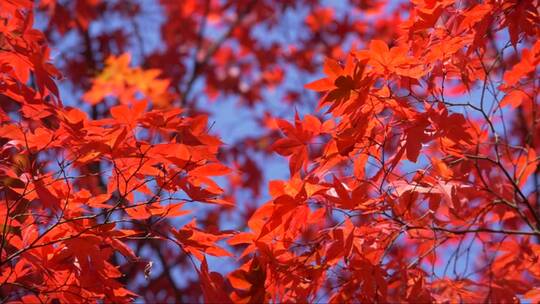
{"x":412,"y":163}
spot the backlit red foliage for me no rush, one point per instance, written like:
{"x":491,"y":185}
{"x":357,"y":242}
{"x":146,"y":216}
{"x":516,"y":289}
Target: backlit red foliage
{"x":410,"y":129}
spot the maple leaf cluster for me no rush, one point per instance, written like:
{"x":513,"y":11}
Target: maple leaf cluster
{"x":413,"y":168}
